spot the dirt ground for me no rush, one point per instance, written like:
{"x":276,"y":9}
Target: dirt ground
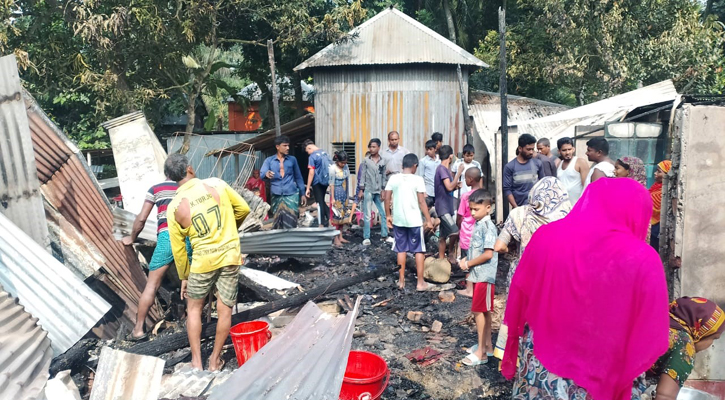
{"x":384,"y":328}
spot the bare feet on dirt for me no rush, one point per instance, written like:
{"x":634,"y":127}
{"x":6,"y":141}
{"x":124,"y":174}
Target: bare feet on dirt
{"x":465,"y":293}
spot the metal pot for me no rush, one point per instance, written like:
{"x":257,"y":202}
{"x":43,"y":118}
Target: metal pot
{"x":694,"y":394}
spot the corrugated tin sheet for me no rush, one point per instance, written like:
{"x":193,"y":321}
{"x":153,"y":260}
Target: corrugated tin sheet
{"x":139,"y":158}
{"x":63,"y":304}
{"x":25,"y":352}
{"x":298,"y":242}
{"x":20,"y":198}
{"x":486,"y":111}
{"x":62,"y":387}
{"x":126,"y":376}
{"x":69,"y":186}
{"x":203,"y":149}
{"x":358,"y":104}
{"x":612,"y":109}
{"x":189,"y":382}
{"x":391,"y":37}
{"x":306,"y":362}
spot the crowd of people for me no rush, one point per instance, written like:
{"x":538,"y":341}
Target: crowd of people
{"x":582,"y":263}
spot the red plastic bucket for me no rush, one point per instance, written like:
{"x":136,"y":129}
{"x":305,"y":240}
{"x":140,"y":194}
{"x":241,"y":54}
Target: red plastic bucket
{"x":248,"y":338}
{"x":366,"y":377}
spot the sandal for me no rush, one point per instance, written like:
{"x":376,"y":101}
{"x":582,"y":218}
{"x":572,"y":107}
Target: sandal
{"x":473,"y":348}
{"x":471,"y":360}
{"x":132,"y":338}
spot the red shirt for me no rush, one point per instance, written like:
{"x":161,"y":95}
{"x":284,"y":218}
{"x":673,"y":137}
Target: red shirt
{"x":254,"y":183}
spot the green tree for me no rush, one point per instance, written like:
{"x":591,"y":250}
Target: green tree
{"x":564,"y":50}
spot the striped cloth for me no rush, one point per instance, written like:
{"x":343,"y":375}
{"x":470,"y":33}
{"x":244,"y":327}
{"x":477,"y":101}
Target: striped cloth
{"x":161,"y":195}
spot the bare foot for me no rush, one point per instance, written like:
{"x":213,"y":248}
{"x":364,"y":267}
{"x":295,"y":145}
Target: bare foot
{"x":137,"y":333}
{"x":343,"y":240}
{"x":401,"y":285}
{"x":197,"y":366}
{"x":422,"y":287}
{"x":452,"y":260}
{"x":216,"y":366}
{"x":465,"y":293}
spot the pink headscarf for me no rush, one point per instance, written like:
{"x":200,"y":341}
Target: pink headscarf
{"x":598,"y":308}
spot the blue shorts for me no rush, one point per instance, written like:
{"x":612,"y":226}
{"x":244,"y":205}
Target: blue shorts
{"x":163,"y":254}
{"x":408,"y":240}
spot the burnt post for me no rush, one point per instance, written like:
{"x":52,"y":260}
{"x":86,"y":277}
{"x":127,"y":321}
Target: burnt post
{"x":504,"y":105}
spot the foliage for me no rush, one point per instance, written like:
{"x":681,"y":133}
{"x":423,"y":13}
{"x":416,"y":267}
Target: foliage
{"x":561,"y":50}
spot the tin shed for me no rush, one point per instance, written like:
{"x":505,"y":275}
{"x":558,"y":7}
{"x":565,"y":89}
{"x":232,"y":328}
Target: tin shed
{"x":392,"y":73}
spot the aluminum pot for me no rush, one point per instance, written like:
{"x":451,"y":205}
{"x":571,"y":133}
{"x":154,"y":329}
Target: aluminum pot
{"x":694,"y":394}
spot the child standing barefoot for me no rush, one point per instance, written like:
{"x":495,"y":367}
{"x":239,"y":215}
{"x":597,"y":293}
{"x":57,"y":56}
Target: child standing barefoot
{"x":408,"y":191}
{"x":482,"y":263}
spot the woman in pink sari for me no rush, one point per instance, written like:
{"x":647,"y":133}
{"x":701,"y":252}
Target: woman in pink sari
{"x":592,"y":316}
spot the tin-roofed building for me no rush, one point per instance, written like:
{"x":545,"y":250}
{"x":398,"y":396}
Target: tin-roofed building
{"x":391,"y":74}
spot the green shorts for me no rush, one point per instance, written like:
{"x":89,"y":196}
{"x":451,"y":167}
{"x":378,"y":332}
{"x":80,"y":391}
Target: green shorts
{"x":225,"y":279}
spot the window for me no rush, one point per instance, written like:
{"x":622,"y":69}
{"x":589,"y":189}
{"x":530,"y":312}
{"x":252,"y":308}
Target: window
{"x":349,"y":148}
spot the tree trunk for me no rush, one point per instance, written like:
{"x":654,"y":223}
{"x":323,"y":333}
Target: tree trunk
{"x":299,"y":106}
{"x":449,"y":21}
{"x":708,"y":9}
{"x":191,"y":113}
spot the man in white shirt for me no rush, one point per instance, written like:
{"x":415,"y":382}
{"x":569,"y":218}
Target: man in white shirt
{"x":394,"y":153}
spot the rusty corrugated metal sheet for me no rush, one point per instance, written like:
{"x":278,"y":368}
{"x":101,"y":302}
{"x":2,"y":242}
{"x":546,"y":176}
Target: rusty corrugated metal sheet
{"x":63,"y":304}
{"x":25,"y":352}
{"x":486,"y":111}
{"x":20,"y":198}
{"x":391,"y":37}
{"x":358,"y":104}
{"x":306,"y":362}
{"x":70,"y":187}
{"x":122,"y":375}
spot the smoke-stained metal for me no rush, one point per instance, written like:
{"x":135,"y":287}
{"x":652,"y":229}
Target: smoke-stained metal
{"x":20,"y":198}
{"x":297,"y":242}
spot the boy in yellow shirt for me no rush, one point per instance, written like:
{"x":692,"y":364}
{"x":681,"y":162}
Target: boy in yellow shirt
{"x":208,"y":212}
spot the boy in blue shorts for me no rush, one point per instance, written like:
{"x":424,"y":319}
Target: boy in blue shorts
{"x":482,"y":262}
{"x":408,"y":192}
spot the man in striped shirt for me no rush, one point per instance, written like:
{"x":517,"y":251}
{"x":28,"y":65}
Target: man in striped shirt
{"x":159,"y":195}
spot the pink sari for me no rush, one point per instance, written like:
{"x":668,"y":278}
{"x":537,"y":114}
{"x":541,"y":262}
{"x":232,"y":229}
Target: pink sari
{"x":599,"y":308}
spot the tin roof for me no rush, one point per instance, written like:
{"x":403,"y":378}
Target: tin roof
{"x":63,"y":304}
{"x":612,"y":109}
{"x":391,"y":37}
{"x":25,"y":352}
{"x":19,"y":186}
{"x":486,"y":111}
{"x":306,"y":362}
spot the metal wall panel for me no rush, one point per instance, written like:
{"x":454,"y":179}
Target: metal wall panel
{"x":139,"y":158}
{"x":699,"y":158}
{"x":126,"y":376}
{"x":25,"y":352}
{"x":227,"y":168}
{"x":63,"y":304}
{"x":20,"y":198}
{"x":358,"y":104}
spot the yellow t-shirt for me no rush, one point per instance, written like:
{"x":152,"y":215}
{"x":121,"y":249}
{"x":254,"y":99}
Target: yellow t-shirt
{"x":213,"y":229}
